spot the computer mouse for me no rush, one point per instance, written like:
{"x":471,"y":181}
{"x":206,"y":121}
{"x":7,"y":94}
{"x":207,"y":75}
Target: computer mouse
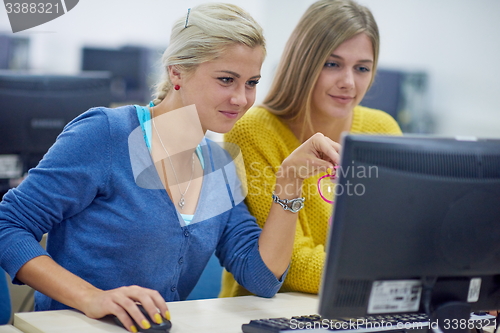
{"x":155,"y":327}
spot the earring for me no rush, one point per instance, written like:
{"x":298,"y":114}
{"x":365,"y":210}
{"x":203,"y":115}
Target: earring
{"x":177,"y":87}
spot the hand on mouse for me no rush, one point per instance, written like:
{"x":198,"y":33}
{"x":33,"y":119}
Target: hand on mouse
{"x":121,"y":302}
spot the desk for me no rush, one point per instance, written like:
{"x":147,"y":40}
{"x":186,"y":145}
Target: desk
{"x":219,"y":315}
{"x":9,"y":329}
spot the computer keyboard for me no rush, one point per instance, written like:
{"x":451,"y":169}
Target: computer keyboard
{"x":378,"y":323}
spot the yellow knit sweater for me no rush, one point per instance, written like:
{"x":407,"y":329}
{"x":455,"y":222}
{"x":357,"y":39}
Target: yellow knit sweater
{"x":265,"y":141}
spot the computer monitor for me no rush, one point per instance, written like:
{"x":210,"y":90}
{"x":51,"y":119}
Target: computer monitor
{"x":415,"y":228}
{"x":130,"y":67}
{"x":385,"y":93}
{"x":34,"y":108}
{"x":404,"y":95}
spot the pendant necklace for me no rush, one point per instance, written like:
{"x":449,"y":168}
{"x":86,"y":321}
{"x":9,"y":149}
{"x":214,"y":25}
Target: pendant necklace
{"x":182,"y":201}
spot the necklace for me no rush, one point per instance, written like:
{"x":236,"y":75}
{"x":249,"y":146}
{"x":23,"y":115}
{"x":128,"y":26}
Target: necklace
{"x":182,"y":201}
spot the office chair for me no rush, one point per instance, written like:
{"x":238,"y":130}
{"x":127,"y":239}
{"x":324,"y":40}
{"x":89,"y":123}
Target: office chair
{"x":5,"y":307}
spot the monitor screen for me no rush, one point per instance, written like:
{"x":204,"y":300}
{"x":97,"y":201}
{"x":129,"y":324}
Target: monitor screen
{"x":415,"y":227}
{"x":34,"y":108}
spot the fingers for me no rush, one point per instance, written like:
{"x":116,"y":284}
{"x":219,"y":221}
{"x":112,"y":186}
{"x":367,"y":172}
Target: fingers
{"x":328,"y":150}
{"x":153,"y":304}
{"x":124,"y":309}
{"x":318,"y":154}
{"x":124,"y":303}
{"x":323,"y":153}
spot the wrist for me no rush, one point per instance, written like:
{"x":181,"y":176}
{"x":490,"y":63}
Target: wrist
{"x":288,"y":188}
{"x":86,"y":301}
{"x":292,"y":205}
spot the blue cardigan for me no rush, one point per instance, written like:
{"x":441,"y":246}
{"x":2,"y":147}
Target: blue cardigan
{"x":5,"y":307}
{"x":97,"y":194}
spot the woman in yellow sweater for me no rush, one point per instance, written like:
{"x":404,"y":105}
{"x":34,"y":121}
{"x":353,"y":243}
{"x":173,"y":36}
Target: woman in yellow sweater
{"x":327,"y":67}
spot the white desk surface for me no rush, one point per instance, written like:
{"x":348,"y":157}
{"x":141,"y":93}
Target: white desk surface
{"x":9,"y":329}
{"x":220,"y":315}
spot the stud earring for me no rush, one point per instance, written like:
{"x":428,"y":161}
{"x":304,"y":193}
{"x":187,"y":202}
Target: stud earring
{"x":177,"y":87}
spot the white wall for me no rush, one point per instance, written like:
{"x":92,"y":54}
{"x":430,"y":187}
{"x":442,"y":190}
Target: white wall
{"x":456,"y":41}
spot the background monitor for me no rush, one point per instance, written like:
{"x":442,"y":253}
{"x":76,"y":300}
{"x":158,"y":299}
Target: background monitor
{"x":404,"y":95}
{"x":14,"y":52}
{"x":386,"y":92}
{"x":34,"y":108}
{"x":131,"y":71}
{"x":415,"y":228}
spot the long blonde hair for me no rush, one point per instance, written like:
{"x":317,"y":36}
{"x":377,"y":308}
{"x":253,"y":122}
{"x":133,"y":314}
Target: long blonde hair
{"x":324,"y":26}
{"x":202,"y":35}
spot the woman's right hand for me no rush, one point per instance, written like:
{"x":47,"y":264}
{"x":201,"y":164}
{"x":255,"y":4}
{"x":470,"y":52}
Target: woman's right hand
{"x":42,"y":273}
{"x":315,"y":155}
{"x":121,"y":302}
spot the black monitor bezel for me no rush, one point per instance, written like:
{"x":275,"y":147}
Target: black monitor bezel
{"x":441,"y":277}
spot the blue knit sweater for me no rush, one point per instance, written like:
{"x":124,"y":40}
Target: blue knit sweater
{"x":98,"y":196}
{"x":4,"y":300}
